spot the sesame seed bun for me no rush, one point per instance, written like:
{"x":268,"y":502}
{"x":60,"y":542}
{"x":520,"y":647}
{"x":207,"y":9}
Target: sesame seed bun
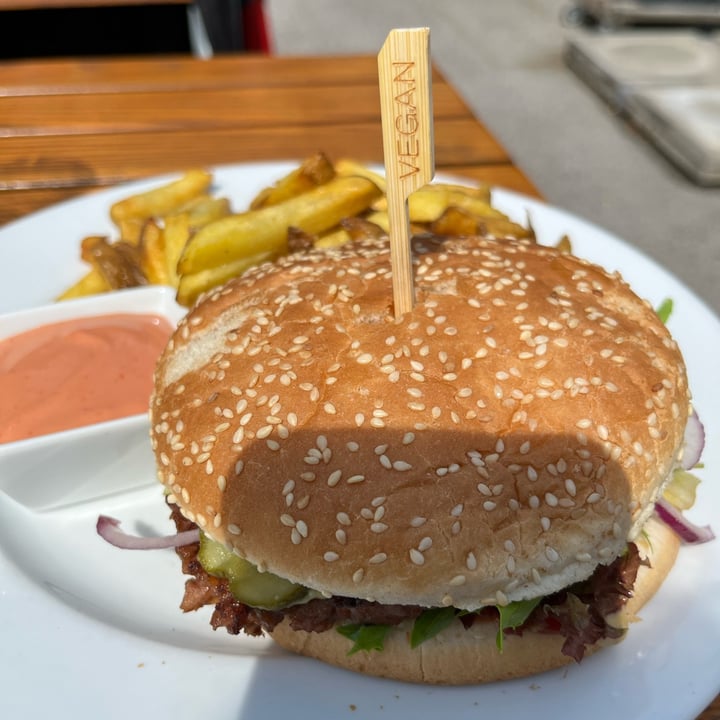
{"x":496,"y":443}
{"x":460,"y":656}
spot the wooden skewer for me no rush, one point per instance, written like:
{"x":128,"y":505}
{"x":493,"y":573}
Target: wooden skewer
{"x":408,"y":143}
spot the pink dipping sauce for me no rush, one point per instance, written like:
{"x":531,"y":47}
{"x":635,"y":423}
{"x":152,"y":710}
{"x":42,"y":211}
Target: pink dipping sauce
{"x":78,"y":372}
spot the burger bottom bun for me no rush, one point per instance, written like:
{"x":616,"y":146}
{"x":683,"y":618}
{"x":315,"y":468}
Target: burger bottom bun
{"x":462,"y":657}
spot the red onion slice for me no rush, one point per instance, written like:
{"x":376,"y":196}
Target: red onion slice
{"x":109,"y":529}
{"x":694,"y":442}
{"x":688,"y":532}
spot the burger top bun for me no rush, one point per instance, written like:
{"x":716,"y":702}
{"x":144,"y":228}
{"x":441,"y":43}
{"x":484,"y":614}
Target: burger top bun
{"x":494,"y":444}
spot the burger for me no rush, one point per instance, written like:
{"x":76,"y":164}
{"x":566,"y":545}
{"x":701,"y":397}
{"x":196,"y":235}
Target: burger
{"x":462,"y":494}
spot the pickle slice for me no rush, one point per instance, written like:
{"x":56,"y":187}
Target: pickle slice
{"x":246,"y":582}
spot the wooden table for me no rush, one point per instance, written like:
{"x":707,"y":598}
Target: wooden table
{"x":68,"y":127}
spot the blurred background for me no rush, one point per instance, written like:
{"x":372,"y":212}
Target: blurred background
{"x":608,"y":132}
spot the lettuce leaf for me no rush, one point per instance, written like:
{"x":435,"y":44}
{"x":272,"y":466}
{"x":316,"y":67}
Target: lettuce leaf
{"x":512,"y":616}
{"x":372,"y":637}
{"x":430,"y":623}
{"x":364,"y":637}
{"x":665,"y":309}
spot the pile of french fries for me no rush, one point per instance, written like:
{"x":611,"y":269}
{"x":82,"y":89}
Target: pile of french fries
{"x":183,"y":236}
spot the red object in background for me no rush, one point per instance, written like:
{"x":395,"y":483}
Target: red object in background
{"x":255,"y":29}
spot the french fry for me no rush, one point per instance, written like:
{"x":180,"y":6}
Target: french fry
{"x":161,"y":200}
{"x":177,"y":233}
{"x":152,"y":254}
{"x":427,"y":205}
{"x":348,"y":168}
{"x":564,"y":245}
{"x":359,"y":228}
{"x":92,"y":283}
{"x":351,"y":228}
{"x":205,"y":209}
{"x":118,"y":262}
{"x":502,"y":227}
{"x":192,"y":285}
{"x":265,"y":230}
{"x":455,"y":221}
{"x":180,"y":225}
{"x":480,"y":192}
{"x":315,"y":170}
{"x":298,"y":240}
{"x":131,"y":229}
{"x":382,"y":220}
{"x":335,"y":238}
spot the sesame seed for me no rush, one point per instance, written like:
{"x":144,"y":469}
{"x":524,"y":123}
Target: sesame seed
{"x":551,"y":554}
{"x":425,"y":544}
{"x":416,"y":557}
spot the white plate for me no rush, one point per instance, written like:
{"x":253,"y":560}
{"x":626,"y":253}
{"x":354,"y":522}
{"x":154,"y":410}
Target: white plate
{"x":89,"y":631}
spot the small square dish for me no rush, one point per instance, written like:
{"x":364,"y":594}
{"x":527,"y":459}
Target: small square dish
{"x":616,"y":64}
{"x":95,"y":459}
{"x":684,"y":122}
